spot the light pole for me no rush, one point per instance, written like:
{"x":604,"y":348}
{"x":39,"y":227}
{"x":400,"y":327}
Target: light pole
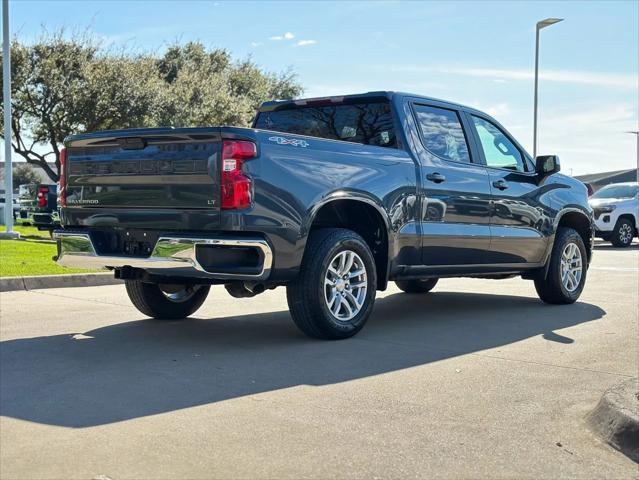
{"x":6,"y":97}
{"x":540,"y":25}
{"x":636,"y":134}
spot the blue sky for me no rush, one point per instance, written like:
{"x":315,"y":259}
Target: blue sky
{"x":476,"y":53}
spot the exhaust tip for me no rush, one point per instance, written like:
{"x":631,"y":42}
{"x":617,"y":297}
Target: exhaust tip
{"x":244,"y":289}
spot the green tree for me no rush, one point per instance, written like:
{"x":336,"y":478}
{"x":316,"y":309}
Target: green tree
{"x":206,"y":87}
{"x":66,"y":84}
{"x":24,"y":174}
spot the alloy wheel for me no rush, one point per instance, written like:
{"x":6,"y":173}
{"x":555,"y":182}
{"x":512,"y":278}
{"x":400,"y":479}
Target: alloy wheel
{"x":571,"y":267}
{"x":178,"y":293}
{"x":345,"y":285}
{"x":625,"y":233}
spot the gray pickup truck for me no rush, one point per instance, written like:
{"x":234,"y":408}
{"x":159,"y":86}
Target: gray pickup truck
{"x":331,"y":198}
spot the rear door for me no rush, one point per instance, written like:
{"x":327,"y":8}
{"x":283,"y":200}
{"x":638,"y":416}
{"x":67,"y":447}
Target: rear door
{"x":518,"y":217}
{"x":455,"y":190}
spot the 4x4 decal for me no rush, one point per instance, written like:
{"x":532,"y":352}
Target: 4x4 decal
{"x":289,"y":141}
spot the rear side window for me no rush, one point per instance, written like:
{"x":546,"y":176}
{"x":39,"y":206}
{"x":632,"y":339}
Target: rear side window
{"x":367,"y":123}
{"x":442,"y":133}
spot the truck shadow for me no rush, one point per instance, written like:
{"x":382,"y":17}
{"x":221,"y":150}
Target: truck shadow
{"x":140,"y":368}
{"x":610,"y":247}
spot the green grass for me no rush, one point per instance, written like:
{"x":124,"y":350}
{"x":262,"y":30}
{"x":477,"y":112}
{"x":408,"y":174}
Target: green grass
{"x":31,"y":255}
{"x":31,"y":232}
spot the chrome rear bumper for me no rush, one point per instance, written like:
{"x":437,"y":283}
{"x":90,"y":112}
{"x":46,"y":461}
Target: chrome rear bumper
{"x":176,"y":253}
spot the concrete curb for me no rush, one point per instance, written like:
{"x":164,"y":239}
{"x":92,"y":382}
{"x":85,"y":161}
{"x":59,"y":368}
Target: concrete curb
{"x":10,"y":284}
{"x":616,"y":418}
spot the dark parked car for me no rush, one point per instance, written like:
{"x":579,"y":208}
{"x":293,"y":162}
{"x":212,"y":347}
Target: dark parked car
{"x":39,"y":205}
{"x":331,"y":198}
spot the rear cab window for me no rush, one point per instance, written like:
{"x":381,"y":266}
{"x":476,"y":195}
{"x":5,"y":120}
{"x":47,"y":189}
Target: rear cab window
{"x":366,"y":122}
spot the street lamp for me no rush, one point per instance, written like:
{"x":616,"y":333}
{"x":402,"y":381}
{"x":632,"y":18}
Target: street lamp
{"x":636,"y":133}
{"x":542,"y":24}
{"x":6,"y":95}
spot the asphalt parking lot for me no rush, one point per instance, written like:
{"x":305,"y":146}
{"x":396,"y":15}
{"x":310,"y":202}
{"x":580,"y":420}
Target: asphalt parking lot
{"x":476,"y":380}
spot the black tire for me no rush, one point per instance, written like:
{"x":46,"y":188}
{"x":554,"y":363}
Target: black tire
{"x":551,"y":288}
{"x":417,"y":286}
{"x":623,"y":233}
{"x":153,"y":302}
{"x":306,"y":295}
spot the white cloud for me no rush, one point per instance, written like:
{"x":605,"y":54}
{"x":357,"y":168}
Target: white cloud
{"x":588,"y":138}
{"x":286,"y":36}
{"x":593,"y":141}
{"x":255,"y":44}
{"x":303,"y":43}
{"x":498,"y":110}
{"x":564,"y":76}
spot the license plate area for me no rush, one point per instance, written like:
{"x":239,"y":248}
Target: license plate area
{"x":129,"y":243}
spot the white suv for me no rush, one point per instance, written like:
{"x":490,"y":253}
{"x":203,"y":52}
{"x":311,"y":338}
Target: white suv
{"x":616,"y":209}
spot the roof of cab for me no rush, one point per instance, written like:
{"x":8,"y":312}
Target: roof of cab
{"x":276,"y":104}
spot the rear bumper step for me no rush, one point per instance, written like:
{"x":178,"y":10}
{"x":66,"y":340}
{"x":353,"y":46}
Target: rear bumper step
{"x":186,"y":254}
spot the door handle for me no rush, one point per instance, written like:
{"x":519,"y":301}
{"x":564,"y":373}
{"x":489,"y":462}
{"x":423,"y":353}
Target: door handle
{"x":435,"y":177}
{"x":500,"y":184}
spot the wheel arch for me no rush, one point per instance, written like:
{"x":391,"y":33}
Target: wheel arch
{"x":361,"y":214}
{"x":629,"y":216}
{"x":579,"y":221}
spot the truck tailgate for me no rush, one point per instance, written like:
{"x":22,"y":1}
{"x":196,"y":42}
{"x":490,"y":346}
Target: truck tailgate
{"x":144,"y":168}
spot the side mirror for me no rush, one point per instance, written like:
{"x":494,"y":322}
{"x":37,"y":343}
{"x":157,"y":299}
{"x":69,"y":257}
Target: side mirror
{"x":547,"y":165}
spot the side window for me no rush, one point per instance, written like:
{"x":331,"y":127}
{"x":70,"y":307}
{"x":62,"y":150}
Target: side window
{"x":499,"y":151}
{"x":442,"y":133}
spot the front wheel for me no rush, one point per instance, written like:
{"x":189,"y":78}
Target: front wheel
{"x":567,"y":270}
{"x":623,"y":233}
{"x":417,"y":286}
{"x":334,"y":293}
{"x":166,"y":301}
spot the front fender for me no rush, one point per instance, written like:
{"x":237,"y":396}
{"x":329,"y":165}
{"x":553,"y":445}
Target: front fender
{"x":587,"y":216}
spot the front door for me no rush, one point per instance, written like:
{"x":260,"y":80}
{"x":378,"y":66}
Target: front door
{"x":455,"y":191}
{"x":518,"y":218}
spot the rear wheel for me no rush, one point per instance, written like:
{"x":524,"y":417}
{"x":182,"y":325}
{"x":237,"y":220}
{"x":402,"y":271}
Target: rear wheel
{"x":622,"y":234}
{"x":166,"y":301}
{"x":567,"y":270}
{"x":417,"y":286}
{"x":334,"y":294}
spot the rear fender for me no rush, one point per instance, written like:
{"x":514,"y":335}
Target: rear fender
{"x":357,"y":196}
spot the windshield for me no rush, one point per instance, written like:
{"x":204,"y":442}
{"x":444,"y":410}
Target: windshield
{"x":617,"y":191}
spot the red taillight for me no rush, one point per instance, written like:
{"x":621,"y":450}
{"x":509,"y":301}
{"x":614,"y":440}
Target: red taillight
{"x":62,"y":183}
{"x":42,"y":196}
{"x":235,"y":186}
